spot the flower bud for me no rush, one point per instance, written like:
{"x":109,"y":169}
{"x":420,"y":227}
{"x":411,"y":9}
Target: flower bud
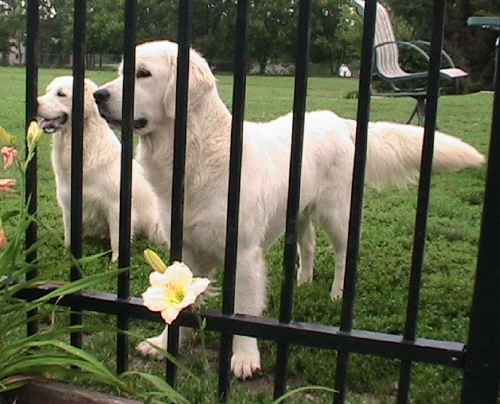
{"x":155,"y":261}
{"x":35,"y":133}
{"x":6,"y":138}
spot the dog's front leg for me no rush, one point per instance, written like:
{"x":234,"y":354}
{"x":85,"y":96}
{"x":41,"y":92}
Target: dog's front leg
{"x":251,"y":280}
{"x":67,"y":226}
{"x":246,"y":357}
{"x":148,"y":347}
{"x":114,"y":230}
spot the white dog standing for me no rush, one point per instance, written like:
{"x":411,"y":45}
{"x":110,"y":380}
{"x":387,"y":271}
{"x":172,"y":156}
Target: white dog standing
{"x":326,"y":177}
{"x":101,"y":168}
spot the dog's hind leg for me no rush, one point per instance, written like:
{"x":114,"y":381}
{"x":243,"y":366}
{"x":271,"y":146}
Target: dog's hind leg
{"x":307,"y":249}
{"x":339,"y":240}
{"x":333,"y":213}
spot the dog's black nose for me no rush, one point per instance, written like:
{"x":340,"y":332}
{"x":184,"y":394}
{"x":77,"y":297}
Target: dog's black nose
{"x":101,"y":95}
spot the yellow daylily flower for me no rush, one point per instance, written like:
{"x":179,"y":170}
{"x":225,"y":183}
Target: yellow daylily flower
{"x":173,"y":290}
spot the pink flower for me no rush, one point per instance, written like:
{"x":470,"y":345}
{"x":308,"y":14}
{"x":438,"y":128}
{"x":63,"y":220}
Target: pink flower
{"x":172,"y":291}
{"x":6,"y":184}
{"x":3,"y":237}
{"x":9,"y":153}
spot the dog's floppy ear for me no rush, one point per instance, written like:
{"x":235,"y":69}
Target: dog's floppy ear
{"x":89,"y":88}
{"x":169,"y":96}
{"x":201,"y":80}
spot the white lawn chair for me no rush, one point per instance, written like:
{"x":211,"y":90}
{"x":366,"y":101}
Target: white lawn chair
{"x":387,"y":66}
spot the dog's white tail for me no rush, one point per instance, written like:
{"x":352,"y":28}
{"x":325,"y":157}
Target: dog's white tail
{"x":395,"y":151}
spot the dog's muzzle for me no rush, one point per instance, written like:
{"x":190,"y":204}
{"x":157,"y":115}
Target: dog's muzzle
{"x":140,"y":123}
{"x":101,"y":96}
{"x":52,"y":125}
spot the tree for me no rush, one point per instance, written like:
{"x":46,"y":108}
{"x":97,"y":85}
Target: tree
{"x":105,"y":25}
{"x":272,"y":30}
{"x":336,"y":33}
{"x":214,"y":28}
{"x":56,"y":26}
{"x":157,"y":20}
{"x":12,"y":27}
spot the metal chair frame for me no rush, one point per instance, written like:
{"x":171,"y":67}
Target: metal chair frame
{"x":387,"y":66}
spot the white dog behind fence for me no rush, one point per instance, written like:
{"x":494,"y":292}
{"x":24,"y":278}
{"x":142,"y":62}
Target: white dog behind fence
{"x":393,"y":157}
{"x":344,"y":71}
{"x":101,"y":168}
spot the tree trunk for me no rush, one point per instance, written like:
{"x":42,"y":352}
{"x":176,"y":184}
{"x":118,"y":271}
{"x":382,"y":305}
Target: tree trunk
{"x":262,"y":67}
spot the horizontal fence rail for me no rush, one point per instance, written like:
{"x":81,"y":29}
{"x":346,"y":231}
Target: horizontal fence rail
{"x":479,"y":357}
{"x":300,"y":333}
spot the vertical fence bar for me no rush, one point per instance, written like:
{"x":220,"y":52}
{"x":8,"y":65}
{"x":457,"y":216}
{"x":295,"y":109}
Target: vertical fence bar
{"x":482,"y":375}
{"x":357,"y":193}
{"x":129,"y":41}
{"x":79,"y":50}
{"x":31,"y":187}
{"x":418,"y":254}
{"x":179,"y":162}
{"x":181,"y":103}
{"x":293,"y":202}
{"x":233,"y":202}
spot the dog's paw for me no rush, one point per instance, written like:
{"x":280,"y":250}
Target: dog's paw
{"x":336,"y":292}
{"x":245,"y":364}
{"x":304,"y":276}
{"x":148,"y":347}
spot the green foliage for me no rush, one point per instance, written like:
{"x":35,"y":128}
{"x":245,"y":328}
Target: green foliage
{"x":335,"y":34}
{"x":44,"y":353}
{"x":12,"y":27}
{"x":272,"y":28}
{"x":105,"y":35}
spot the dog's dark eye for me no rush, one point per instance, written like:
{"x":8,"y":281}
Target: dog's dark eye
{"x":61,"y":94}
{"x":141,"y":73}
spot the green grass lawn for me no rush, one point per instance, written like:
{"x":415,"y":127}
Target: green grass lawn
{"x":385,"y":255}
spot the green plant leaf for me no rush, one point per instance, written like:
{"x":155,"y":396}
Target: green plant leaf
{"x":161,"y":386}
{"x":10,"y":214}
{"x":301,"y":389}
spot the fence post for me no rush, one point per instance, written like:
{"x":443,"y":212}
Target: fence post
{"x":234,"y":188}
{"x":77,"y":110}
{"x":32,"y":54}
{"x":482,"y":359}
{"x":357,"y":194}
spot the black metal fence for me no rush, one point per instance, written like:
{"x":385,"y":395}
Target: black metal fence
{"x":479,"y":357}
